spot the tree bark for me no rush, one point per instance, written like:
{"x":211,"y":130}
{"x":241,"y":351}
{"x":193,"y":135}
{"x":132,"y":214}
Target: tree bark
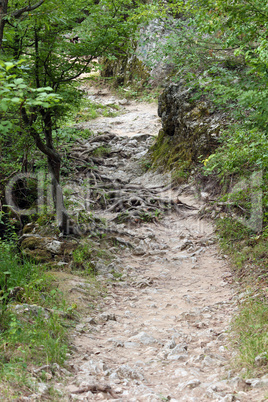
{"x":54,"y":165}
{"x":3,"y":12}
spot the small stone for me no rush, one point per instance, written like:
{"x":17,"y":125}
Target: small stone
{"x":193,"y":383}
{"x":204,"y":196}
{"x":81,"y":328}
{"x":42,"y":388}
{"x":54,"y":247}
{"x":170,"y":344}
{"x":200,"y":325}
{"x":222,"y":337}
{"x":180,"y":372}
{"x":180,"y":348}
{"x":131,"y":345}
{"x":30,"y":310}
{"x":143,"y":338}
{"x":90,"y":320}
{"x":261,"y":360}
{"x":238,"y":384}
{"x":163,"y":354}
{"x":108,"y":316}
{"x":228,"y":398}
{"x":123,"y":101}
{"x":125,"y":371}
{"x":257,"y":382}
{"x":173,"y":357}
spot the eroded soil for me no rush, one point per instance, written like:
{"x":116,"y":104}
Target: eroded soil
{"x":161,"y":332}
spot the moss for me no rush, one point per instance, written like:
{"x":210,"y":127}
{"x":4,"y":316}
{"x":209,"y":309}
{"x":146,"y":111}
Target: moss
{"x":32,"y":243}
{"x":37,"y":255}
{"x":126,"y":70}
{"x":169,"y":155}
{"x":201,"y":110}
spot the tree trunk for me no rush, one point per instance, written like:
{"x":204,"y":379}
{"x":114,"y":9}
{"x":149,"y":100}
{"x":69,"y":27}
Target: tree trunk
{"x":3,"y":12}
{"x":61,"y":213}
{"x":54,"y":164}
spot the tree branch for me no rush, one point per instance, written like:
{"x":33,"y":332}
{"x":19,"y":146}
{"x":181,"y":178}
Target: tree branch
{"x":50,"y":152}
{"x":18,"y":13}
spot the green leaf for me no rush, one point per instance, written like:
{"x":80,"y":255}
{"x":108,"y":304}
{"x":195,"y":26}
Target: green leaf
{"x":16,"y":100}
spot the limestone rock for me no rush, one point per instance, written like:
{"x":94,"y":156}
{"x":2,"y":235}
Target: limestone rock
{"x":189,"y":130}
{"x":143,"y":338}
{"x":125,"y":371}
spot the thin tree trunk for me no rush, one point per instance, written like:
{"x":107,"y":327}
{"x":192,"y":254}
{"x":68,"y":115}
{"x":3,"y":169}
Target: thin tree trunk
{"x":3,"y":12}
{"x":54,"y":165}
{"x":61,"y":213}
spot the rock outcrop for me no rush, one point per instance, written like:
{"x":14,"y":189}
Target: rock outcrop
{"x":42,"y":247}
{"x":190,"y":128}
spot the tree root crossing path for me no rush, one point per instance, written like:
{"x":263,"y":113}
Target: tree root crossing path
{"x":161,"y":331}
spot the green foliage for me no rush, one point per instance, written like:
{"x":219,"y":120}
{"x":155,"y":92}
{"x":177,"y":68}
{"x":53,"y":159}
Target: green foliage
{"x":221,"y":49}
{"x":150,"y":216}
{"x":248,"y":251}
{"x":82,"y":257}
{"x":90,"y":110}
{"x":31,"y":323}
{"x":15,"y":92}
{"x":242,"y":151}
{"x":37,"y":90}
{"x":249,"y":335}
{"x":36,"y":339}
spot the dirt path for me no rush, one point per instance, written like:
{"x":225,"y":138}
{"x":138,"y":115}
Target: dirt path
{"x":160,"y":334}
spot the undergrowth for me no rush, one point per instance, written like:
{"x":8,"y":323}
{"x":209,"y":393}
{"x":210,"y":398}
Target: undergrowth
{"x":249,"y":332}
{"x":34,"y":318}
{"x":247,"y":249}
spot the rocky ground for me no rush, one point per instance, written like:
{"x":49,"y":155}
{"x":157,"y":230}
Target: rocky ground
{"x":161,"y":332}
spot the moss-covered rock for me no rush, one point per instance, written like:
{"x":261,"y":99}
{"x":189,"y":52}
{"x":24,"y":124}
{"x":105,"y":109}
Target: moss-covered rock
{"x":46,"y":249}
{"x":190,"y":129}
{"x":126,"y":70}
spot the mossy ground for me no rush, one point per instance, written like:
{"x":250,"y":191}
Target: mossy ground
{"x":169,"y":156}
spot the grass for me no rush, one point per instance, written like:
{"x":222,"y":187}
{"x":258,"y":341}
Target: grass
{"x":101,"y":151}
{"x":33,"y":330}
{"x":249,"y":328}
{"x":90,"y":110}
{"x":36,"y":321}
{"x":248,"y":251}
{"x":250,"y":336}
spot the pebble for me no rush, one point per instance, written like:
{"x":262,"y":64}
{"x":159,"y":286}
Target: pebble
{"x":144,"y":338}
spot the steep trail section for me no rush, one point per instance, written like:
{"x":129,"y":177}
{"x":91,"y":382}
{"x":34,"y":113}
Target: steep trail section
{"x":135,"y":117}
{"x":160,"y":334}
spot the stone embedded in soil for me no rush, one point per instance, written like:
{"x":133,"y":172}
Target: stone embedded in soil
{"x":125,"y":371}
{"x":143,"y":338}
{"x":190,"y":384}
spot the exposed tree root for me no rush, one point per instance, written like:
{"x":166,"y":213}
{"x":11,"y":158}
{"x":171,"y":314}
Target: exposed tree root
{"x":127,"y":201}
{"x":97,"y":388}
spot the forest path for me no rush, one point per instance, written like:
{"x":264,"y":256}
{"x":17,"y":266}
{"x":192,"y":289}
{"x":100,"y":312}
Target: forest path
{"x":160,"y":333}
